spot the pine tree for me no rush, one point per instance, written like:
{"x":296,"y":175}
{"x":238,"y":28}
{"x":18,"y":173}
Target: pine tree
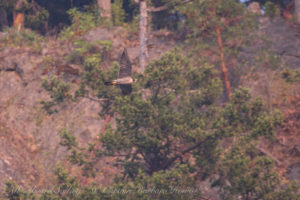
{"x":220,"y":28}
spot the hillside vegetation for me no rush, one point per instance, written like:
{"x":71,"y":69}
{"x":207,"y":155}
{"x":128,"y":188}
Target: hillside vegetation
{"x":214,"y":115}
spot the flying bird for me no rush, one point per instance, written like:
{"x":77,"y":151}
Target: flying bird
{"x":124,"y":79}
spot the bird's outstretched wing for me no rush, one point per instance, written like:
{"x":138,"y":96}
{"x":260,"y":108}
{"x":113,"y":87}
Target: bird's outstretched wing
{"x":125,"y":65}
{"x":126,"y":89}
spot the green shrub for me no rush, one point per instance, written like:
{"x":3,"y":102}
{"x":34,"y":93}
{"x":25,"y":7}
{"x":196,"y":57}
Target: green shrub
{"x":15,"y":192}
{"x":82,"y":22}
{"x":118,"y":13}
{"x":290,"y":75}
{"x":21,"y":39}
{"x":59,"y":91}
{"x":47,"y":106}
{"x":86,"y":52}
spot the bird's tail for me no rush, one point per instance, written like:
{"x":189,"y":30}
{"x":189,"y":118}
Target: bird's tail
{"x":110,"y":83}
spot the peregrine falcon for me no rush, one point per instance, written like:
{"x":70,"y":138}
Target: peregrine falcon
{"x":124,"y":79}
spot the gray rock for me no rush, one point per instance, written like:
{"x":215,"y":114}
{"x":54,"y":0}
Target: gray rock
{"x":294,"y":172}
{"x":285,"y":41}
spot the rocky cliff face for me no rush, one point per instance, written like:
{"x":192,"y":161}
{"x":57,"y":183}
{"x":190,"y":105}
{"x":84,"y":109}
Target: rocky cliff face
{"x":29,"y":135}
{"x":29,"y":144}
{"x":283,"y":42}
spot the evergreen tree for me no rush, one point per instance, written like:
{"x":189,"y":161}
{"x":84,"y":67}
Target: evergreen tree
{"x":172,"y":127}
{"x":166,"y":118}
{"x":218,"y":28}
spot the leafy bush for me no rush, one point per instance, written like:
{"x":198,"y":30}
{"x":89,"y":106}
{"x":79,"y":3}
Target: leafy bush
{"x":59,"y":91}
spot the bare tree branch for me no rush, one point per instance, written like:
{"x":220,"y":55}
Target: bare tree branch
{"x":181,"y":154}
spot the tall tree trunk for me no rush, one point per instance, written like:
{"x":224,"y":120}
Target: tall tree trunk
{"x":297,"y":10}
{"x":19,"y":16}
{"x":223,"y":64}
{"x":105,"y":8}
{"x":143,"y":35}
